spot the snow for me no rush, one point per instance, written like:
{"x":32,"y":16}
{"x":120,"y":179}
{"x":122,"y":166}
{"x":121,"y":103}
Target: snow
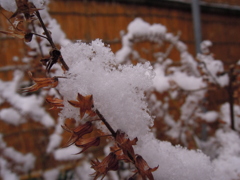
{"x":23,"y":105}
{"x":5,"y":172}
{"x":83,"y":171}
{"x":92,"y":67}
{"x":228,"y":161}
{"x":119,"y":90}
{"x":68,"y":153}
{"x":187,"y":82}
{"x":225,"y":114}
{"x":39,"y":3}
{"x":138,"y":27}
{"x":213,"y":67}
{"x":205,"y":46}
{"x":54,"y":142}
{"x":160,"y":81}
{"x":11,"y":116}
{"x":26,"y":161}
{"x":139,"y":30}
{"x":51,"y":174}
{"x":174,"y":162}
{"x":23,"y":162}
{"x":210,"y":116}
{"x":9,"y":5}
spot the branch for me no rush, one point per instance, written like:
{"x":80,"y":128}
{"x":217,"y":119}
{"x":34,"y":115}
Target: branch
{"x":230,"y":91}
{"x":49,"y":38}
{"x":39,"y":46}
{"x":171,"y":46}
{"x":106,"y":123}
{"x":210,"y":74}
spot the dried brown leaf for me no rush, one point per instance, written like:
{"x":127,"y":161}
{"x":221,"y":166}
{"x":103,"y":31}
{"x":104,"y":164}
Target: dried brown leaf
{"x":55,"y":102}
{"x":40,"y":83}
{"x":85,"y":103}
{"x":86,"y":143}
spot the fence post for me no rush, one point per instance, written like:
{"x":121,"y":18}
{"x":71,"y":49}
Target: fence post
{"x":196,"y":24}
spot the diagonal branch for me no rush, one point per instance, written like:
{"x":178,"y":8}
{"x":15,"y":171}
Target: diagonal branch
{"x":106,"y":123}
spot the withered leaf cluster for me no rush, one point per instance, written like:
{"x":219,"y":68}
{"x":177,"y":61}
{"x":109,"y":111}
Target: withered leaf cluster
{"x":128,"y":155}
{"x":18,"y":26}
{"x":55,"y":102}
{"x":54,"y":57}
{"x":40,"y":83}
{"x":26,"y":8}
{"x":85,"y":103}
{"x":122,"y":150}
{"x":19,"y":29}
{"x":109,"y":163}
{"x":78,"y":132}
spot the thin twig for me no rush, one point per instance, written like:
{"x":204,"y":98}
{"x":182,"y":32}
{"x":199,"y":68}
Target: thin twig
{"x":39,"y":46}
{"x":106,"y":123}
{"x":40,"y":35}
{"x":171,"y":46}
{"x":230,"y":96}
{"x":49,"y":38}
{"x":210,"y":74}
{"x":194,"y":90}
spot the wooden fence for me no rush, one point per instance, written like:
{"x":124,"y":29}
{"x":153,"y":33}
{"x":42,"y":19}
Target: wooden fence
{"x":90,"y":20}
